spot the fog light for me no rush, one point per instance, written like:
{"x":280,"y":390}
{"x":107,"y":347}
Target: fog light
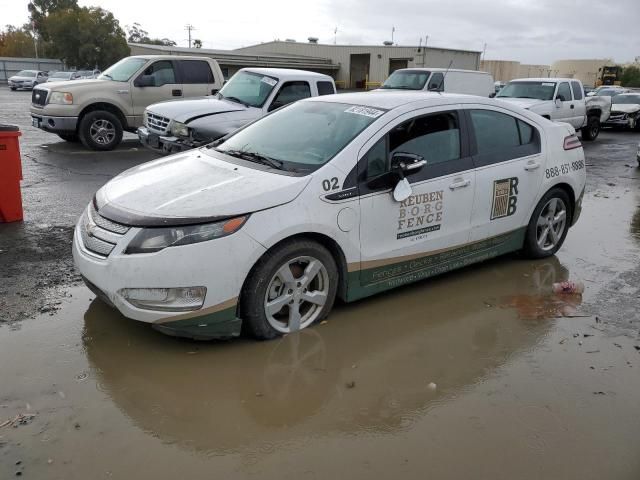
{"x":181,"y":299}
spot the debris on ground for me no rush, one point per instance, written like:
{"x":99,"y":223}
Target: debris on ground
{"x":432,"y":386}
{"x":20,"y":419}
{"x":574,"y":288}
{"x":350,"y":384}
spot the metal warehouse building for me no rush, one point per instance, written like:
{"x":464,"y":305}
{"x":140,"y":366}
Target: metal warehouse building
{"x":352,"y":66}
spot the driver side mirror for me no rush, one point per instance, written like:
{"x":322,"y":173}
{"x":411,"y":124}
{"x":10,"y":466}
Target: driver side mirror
{"x":145,"y":81}
{"x":559,"y":101}
{"x":405,"y":163}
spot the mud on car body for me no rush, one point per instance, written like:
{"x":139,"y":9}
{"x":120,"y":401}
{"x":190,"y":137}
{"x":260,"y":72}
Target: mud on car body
{"x":335,"y":196}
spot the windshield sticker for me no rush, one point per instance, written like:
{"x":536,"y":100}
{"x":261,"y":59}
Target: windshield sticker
{"x":269,"y":81}
{"x":366,"y":111}
{"x":547,"y":84}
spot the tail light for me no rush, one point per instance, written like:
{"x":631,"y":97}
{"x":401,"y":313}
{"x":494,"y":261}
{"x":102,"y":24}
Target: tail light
{"x":571,"y":142}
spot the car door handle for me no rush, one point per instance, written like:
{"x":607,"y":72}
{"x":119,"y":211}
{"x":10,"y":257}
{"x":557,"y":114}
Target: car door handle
{"x":176,"y":93}
{"x":460,"y":184}
{"x":572,"y":106}
{"x":532,"y":166}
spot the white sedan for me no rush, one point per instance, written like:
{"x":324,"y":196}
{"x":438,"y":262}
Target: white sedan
{"x":342,"y":195}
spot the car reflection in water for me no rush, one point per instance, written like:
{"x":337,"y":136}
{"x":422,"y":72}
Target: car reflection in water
{"x":365,"y":372}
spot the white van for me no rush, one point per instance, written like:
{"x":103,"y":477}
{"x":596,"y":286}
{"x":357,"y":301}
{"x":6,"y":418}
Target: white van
{"x":471,"y":82}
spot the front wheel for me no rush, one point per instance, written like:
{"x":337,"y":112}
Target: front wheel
{"x":100,"y":130}
{"x":592,"y":129}
{"x":289,"y":289}
{"x":549,"y":225}
{"x":13,"y":89}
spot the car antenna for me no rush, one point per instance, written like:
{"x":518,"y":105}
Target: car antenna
{"x":444,"y":76}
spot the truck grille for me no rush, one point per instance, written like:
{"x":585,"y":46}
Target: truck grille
{"x":618,"y":116}
{"x":39,"y":97}
{"x":157,"y":123}
{"x":100,"y":235}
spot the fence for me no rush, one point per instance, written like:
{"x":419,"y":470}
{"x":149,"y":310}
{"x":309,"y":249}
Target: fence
{"x":10,"y":66}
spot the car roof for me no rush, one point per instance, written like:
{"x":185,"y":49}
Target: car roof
{"x":545,"y":79}
{"x":391,"y":99}
{"x":284,"y":73}
{"x":438,"y":69}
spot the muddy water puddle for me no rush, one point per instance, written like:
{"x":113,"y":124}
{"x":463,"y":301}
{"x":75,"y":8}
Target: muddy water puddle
{"x":482,"y":373}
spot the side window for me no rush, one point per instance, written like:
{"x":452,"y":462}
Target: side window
{"x":291,"y":92}
{"x":195,"y":71}
{"x":500,"y":137}
{"x":577,"y":90}
{"x":434,"y":137}
{"x":564,"y":92}
{"x":162,"y":72}
{"x":436,"y":82}
{"x":325,"y":88}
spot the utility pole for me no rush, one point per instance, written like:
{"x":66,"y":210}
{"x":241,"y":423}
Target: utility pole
{"x":335,"y":35}
{"x":188,"y":27}
{"x":393,"y":29}
{"x":484,"y":51}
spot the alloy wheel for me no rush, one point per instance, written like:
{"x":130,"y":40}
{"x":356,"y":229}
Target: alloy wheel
{"x":102,"y":131}
{"x":551,"y":224}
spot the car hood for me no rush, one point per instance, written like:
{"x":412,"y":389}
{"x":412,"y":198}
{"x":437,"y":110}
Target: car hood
{"x":197,"y":186}
{"x":524,"y":102}
{"x":187,"y":110}
{"x":625,"y":107}
{"x":75,"y":84}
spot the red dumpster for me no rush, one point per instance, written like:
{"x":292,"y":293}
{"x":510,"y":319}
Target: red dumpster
{"x":10,"y":174}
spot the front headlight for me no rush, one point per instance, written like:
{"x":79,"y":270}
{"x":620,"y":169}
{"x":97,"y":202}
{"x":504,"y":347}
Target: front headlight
{"x":145,"y":117}
{"x":150,"y":240}
{"x":179,"y":129}
{"x":61,"y":98}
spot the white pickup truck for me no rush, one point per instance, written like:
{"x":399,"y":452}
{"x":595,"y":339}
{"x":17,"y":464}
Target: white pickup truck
{"x":560,"y":100}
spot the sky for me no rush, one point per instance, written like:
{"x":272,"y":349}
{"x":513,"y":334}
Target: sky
{"x":528,"y":31}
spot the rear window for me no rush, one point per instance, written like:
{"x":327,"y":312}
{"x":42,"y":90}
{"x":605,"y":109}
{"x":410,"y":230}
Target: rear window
{"x":196,"y":71}
{"x":325,"y":88}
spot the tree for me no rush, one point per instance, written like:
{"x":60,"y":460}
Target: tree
{"x":16,"y":42}
{"x":86,"y":37}
{"x":197,"y":43}
{"x":136,"y":34}
{"x":630,"y":77}
{"x":39,"y":10}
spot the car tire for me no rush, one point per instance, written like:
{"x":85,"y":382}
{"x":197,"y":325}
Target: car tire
{"x":592,"y":129}
{"x":13,"y":89}
{"x":69,"y":137}
{"x":548,"y":227}
{"x":100,"y":130}
{"x":267,"y":288}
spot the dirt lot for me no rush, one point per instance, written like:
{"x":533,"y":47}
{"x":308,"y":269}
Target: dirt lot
{"x":482,"y":373}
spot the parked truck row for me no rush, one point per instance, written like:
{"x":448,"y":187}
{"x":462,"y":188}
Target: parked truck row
{"x":175,"y":103}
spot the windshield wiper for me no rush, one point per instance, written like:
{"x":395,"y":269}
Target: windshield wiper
{"x":107,"y":75}
{"x":237,"y":100}
{"x":255,"y":157}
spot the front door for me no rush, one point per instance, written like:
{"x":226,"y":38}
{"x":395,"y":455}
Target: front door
{"x":411,"y":239}
{"x":165,"y":86}
{"x":564,"y":111}
{"x":509,"y":172}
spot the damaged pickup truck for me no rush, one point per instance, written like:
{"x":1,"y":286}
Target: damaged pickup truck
{"x":174,"y":126}
{"x":559,"y":100}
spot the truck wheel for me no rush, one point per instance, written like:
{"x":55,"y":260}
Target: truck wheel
{"x":100,"y":130}
{"x":549,"y":225}
{"x":69,"y":137}
{"x":290,"y":288}
{"x":13,"y":89}
{"x":591,"y":131}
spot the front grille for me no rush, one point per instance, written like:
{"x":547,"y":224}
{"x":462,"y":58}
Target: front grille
{"x":100,"y":235}
{"x":157,"y":123}
{"x":618,"y":116}
{"x":38,"y":97}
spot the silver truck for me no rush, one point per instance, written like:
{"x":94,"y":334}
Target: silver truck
{"x":250,"y":94}
{"x":559,"y":100}
{"x":97,"y":111}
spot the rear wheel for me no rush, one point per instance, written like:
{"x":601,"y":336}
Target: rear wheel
{"x":289,"y":289}
{"x":100,"y":130}
{"x":549,"y":225}
{"x":592,"y":129}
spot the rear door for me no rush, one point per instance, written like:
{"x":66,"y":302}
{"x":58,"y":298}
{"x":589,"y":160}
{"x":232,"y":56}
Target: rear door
{"x":197,"y":78}
{"x":421,"y":232}
{"x":579,"y":105}
{"x":509,"y":160}
{"x":166,"y":86}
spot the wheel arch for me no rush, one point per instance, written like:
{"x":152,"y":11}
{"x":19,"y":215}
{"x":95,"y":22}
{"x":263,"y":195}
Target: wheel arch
{"x":108,"y":107}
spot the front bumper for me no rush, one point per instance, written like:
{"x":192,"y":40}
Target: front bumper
{"x":629,"y":122}
{"x":165,"y":144}
{"x":21,"y":85}
{"x":175,"y":267}
{"x":54,"y":124}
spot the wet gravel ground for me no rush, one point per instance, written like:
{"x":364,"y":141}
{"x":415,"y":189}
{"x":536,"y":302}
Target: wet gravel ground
{"x":480,"y":373}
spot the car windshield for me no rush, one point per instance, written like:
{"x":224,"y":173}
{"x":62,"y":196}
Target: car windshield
{"x":26,"y":73}
{"x":628,"y":99}
{"x":608,"y":92}
{"x":302,"y":136}
{"x":249,"y":88}
{"x":537,"y":90}
{"x":407,"y":80}
{"x":123,"y":70}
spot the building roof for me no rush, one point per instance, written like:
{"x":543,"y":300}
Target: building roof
{"x":429,"y":47}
